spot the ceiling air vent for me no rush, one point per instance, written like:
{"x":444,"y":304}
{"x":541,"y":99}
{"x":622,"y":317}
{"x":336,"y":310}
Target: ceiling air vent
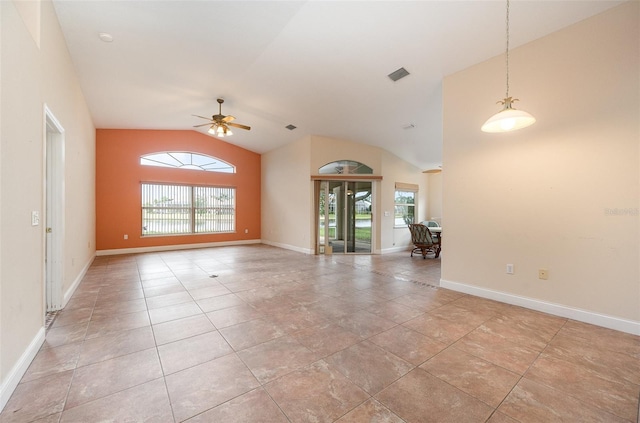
{"x":399,"y":74}
{"x":290,"y":127}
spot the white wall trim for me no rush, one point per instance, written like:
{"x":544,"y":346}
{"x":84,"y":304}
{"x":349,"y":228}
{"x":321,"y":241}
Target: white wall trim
{"x":396,"y":249}
{"x":20,"y":368}
{"x":586,"y":316}
{"x":76,"y":282}
{"x":289,"y":247}
{"x":173,"y":247}
{"x":211,"y":244}
{"x":311,"y":251}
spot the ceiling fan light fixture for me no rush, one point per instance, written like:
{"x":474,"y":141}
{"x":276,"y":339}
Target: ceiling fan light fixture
{"x":508,"y":119}
{"x":219,"y":124}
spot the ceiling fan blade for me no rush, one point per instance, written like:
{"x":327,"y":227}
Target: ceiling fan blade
{"x":207,"y":118}
{"x":204,"y":124}
{"x":237,"y":125}
{"x":228,"y":118}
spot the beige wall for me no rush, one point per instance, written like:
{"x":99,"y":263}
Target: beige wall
{"x":546,"y":196}
{"x":434,"y":185}
{"x":286,"y":196}
{"x":287,"y":191}
{"x":395,"y":170}
{"x":31,"y":76}
{"x":2,"y":377}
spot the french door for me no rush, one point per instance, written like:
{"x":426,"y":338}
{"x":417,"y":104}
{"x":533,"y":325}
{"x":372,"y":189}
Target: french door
{"x":344,"y":217}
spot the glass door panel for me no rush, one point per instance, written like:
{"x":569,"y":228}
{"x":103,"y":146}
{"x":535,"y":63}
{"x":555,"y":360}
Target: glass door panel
{"x":359,"y":205}
{"x":335,"y":211}
{"x":344,"y":217}
{"x":327,"y":201}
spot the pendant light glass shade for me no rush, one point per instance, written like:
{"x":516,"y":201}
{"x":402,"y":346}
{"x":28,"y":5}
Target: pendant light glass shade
{"x":509,"y":119}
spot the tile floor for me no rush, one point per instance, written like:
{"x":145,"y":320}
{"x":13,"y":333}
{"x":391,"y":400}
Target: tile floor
{"x":261,"y":334}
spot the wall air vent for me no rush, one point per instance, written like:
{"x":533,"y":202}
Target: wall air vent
{"x":290,"y":127}
{"x":399,"y":74}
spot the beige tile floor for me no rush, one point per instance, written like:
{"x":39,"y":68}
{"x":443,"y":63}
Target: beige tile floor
{"x":278,"y":336}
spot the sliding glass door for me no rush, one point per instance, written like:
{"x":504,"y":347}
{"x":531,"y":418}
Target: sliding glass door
{"x":344,"y":217}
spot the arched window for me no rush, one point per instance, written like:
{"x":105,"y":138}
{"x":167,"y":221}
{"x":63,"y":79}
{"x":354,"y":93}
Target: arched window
{"x":345,"y":167}
{"x":186,"y":160}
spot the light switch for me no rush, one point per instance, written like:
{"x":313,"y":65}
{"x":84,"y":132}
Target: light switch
{"x":35,"y":218}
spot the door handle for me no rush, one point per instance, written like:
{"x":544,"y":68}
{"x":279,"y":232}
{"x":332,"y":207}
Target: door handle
{"x":49,"y":230}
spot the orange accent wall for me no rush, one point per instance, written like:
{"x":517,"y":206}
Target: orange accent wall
{"x":119,"y":174}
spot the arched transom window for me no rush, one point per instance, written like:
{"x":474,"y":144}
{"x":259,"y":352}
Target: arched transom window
{"x":186,"y":160}
{"x":345,"y":167}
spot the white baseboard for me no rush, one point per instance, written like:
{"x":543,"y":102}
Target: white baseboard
{"x":13,"y":379}
{"x":289,"y":247}
{"x":311,"y":251}
{"x":611,"y":322}
{"x":173,"y":247}
{"x":396,"y":249}
{"x":76,"y":282}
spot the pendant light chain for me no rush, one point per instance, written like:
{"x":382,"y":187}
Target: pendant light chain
{"x":507,"y":51}
{"x":508,"y":119}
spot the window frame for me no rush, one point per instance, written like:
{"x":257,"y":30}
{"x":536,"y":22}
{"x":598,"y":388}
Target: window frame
{"x":192,"y":208}
{"x":403,"y":188}
{"x":345,"y":167}
{"x":179,"y":160}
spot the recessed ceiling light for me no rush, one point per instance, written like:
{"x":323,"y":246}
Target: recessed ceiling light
{"x":106,"y":37}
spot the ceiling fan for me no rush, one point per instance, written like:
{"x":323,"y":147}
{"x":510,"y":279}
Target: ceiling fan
{"x":220,"y":123}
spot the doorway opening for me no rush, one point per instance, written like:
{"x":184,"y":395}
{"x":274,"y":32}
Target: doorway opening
{"x":344,"y":217}
{"x":54,"y":212}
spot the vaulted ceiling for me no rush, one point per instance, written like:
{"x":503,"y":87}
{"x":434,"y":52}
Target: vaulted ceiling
{"x":319,"y":65}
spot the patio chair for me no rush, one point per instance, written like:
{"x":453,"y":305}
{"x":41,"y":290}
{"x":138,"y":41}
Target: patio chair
{"x":423,"y":241}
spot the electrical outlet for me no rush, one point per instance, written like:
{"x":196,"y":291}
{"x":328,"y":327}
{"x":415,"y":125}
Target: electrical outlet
{"x":543,"y":274}
{"x":35,"y":218}
{"x":126,"y":236}
{"x":246,"y":231}
{"x":510,"y":269}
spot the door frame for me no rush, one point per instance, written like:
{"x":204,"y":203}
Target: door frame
{"x":53,"y":202}
{"x":319,"y":249}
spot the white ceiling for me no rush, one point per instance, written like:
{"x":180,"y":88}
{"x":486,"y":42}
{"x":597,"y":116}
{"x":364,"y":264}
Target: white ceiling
{"x":319,"y":65}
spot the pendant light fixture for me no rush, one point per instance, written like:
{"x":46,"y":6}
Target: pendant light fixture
{"x":508,"y":119}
